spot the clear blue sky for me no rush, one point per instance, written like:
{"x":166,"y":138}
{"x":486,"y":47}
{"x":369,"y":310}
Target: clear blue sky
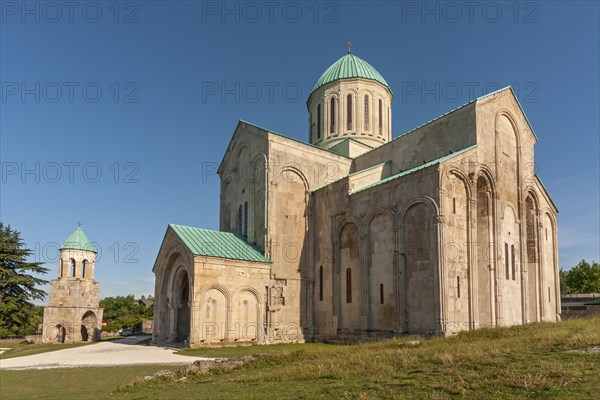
{"x":175,"y":77}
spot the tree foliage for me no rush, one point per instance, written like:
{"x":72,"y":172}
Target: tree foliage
{"x":582,"y":278}
{"x":124,"y":312}
{"x":18,"y":285}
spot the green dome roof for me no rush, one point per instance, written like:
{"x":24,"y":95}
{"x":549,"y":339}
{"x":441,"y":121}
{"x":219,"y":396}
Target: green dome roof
{"x":350,"y":66}
{"x":78,"y":241}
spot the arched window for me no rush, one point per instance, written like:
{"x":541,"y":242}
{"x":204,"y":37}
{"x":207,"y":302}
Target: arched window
{"x":380,"y":116}
{"x":506,"y":260}
{"x":240,"y":221}
{"x":332,"y":116}
{"x":83,"y":263}
{"x":512,"y":260}
{"x":366,"y":112}
{"x":246,"y":219}
{"x":348,"y":285}
{"x":381,"y":293}
{"x":319,"y":122}
{"x":349,"y":112}
{"x":321,"y":283}
{"x":72,"y":267}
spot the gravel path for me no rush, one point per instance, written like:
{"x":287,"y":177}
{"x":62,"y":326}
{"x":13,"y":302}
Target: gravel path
{"x":117,"y":352}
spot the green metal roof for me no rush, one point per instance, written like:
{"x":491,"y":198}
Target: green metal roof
{"x":205,"y":242}
{"x":78,"y":241}
{"x":350,"y":66}
{"x":417,"y":168}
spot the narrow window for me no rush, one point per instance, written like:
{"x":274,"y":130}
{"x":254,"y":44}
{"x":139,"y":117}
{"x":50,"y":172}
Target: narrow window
{"x":246,"y":219}
{"x":348,"y":285}
{"x":458,"y":286}
{"x":366,"y":113}
{"x":349,"y":112}
{"x":332,"y":116}
{"x":319,"y":122}
{"x":321,"y":283}
{"x":506,"y":260}
{"x":83,"y":268}
{"x":246,"y":309}
{"x":381,"y":293}
{"x":72,"y":268}
{"x":310,"y":124}
{"x":549,"y":298}
{"x":380,"y":116}
{"x":240,"y":221}
{"x":62,"y":271}
{"x":454,"y":205}
{"x":512,"y":260}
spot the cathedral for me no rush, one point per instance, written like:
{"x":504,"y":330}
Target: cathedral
{"x":356,"y":234}
{"x":73,"y":314}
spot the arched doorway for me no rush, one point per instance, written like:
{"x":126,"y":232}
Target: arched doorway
{"x":84,"y":333}
{"x":181,"y":291}
{"x":60,"y":333}
{"x":88,"y":326}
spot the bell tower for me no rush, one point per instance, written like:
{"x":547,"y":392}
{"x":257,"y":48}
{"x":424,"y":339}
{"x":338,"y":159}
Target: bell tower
{"x":73,"y":313}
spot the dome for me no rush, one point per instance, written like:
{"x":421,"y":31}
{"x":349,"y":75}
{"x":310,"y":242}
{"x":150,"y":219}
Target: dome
{"x":350,"y":66}
{"x":78,"y":241}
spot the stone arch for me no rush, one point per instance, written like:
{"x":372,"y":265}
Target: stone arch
{"x":89,"y":324}
{"x":240,"y":148}
{"x":532,"y":256}
{"x":510,"y":243}
{"x":180,"y":301}
{"x":550,"y":268}
{"x":246,"y":311}
{"x":292,"y":229}
{"x":485,"y":251}
{"x":332,"y":130}
{"x":296,"y":170}
{"x":382,"y":287}
{"x":215,"y":305}
{"x":366,"y":122}
{"x":418,"y":263}
{"x":226,"y":205}
{"x":165,"y":303}
{"x":350,"y":298}
{"x":259,"y":199}
{"x":59,"y":333}
{"x":508,"y":151}
{"x":349,"y":220}
{"x":456,"y":208}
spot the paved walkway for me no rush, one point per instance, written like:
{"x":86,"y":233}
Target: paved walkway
{"x":102,"y":354}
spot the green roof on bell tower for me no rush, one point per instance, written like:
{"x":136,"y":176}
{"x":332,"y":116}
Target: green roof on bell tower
{"x":78,"y":241}
{"x":350,"y":66}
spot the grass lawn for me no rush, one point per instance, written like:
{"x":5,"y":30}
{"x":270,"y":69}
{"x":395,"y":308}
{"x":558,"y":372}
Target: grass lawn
{"x":70,"y":383}
{"x":523,"y":362}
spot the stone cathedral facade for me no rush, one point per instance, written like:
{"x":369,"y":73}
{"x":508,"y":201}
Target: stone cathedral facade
{"x":357,"y":234}
{"x":73,"y":314}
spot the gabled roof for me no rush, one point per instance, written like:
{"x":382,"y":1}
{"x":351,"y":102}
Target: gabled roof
{"x":205,"y":242}
{"x":78,"y":241}
{"x":267,"y":131}
{"x":456,"y":109}
{"x":417,"y":168}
